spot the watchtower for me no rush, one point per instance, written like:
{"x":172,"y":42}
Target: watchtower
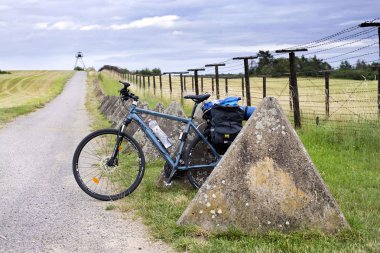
{"x":79,"y":58}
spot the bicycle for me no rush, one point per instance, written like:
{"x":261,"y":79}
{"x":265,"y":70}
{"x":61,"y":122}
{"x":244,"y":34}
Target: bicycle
{"x":109,"y":164}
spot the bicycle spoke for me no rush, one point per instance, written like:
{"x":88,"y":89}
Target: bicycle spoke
{"x":101,"y":179}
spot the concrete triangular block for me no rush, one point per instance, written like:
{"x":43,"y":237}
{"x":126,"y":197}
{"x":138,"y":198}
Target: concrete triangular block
{"x":114,"y":115}
{"x":122,"y":112}
{"x":198,"y":115}
{"x":111,"y":106}
{"x":105,"y":104}
{"x":266,"y":181}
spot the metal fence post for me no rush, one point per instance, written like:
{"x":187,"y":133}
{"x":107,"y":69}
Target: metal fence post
{"x":264,"y":86}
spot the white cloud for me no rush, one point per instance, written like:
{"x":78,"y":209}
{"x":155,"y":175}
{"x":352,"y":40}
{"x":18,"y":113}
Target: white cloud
{"x":107,"y":57}
{"x":178,"y":33}
{"x":117,"y":18}
{"x":158,"y":21}
{"x":351,"y":22}
{"x":60,"y":25}
{"x":91,"y":27}
{"x":3,"y":24}
{"x":167,"y":21}
{"x":4,"y":7}
{"x":248,"y":49}
{"x":63,"y":25}
{"x":41,"y":25}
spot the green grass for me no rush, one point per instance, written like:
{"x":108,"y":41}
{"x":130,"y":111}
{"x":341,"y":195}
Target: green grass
{"x":98,"y":120}
{"x":24,"y":91}
{"x":7,"y":114}
{"x":348,"y":161}
{"x":111,"y":207}
{"x":110,"y":87}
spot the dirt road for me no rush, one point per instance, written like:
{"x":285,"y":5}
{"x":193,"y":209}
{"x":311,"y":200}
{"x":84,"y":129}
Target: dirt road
{"x":41,"y":207}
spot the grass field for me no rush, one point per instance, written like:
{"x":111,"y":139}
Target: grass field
{"x":348,"y":161}
{"x":98,"y":120}
{"x":349,"y":99}
{"x":24,"y":91}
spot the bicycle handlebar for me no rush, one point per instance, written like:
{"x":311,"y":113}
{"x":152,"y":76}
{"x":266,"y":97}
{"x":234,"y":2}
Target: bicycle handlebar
{"x":125,"y":93}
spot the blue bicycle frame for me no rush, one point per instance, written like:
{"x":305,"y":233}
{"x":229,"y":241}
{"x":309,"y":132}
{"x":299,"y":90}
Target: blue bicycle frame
{"x":174,"y":164}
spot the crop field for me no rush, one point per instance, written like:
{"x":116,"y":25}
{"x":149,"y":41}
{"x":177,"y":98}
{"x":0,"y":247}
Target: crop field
{"x":23,"y":91}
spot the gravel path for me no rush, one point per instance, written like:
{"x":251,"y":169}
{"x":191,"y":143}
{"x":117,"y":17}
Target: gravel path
{"x":42,"y":209}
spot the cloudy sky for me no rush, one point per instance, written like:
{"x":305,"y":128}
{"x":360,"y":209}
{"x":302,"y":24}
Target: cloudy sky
{"x":173,"y":35}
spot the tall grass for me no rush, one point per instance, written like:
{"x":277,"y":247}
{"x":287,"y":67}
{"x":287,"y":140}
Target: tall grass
{"x":98,"y":120}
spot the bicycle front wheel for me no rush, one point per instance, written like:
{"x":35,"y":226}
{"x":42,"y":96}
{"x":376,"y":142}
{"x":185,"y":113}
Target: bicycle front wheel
{"x":100,"y":180}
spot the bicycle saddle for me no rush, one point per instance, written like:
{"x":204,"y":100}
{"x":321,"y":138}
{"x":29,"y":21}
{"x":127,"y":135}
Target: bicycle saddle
{"x":198,"y":98}
{"x":126,"y":84}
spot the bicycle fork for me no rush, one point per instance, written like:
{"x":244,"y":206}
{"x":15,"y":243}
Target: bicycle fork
{"x":113,"y":159}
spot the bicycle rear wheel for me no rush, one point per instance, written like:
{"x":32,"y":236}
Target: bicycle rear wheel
{"x":199,"y":153}
{"x":101,"y":181}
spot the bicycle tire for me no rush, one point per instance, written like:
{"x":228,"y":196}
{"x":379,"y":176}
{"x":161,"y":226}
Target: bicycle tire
{"x":199,"y":153}
{"x":92,"y":173}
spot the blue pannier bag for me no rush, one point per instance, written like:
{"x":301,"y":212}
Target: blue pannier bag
{"x":248,"y":111}
{"x":228,"y":101}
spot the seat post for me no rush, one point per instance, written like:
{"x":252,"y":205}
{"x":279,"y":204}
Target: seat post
{"x":194,"y":108}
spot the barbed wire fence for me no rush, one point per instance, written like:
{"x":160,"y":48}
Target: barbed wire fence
{"x":321,"y":99}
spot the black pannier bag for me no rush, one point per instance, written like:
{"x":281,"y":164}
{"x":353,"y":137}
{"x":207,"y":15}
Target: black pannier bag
{"x":225,"y":123}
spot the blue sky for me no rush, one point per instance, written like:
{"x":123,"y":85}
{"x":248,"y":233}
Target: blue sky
{"x":172,"y":35}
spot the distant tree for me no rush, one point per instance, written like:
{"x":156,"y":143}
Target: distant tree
{"x":156,"y":71}
{"x":360,"y":72}
{"x":345,"y":65}
{"x":360,"y":64}
{"x":268,"y":65}
{"x":266,"y":58}
{"x":280,"y":67}
{"x":311,"y":66}
{"x":4,"y":72}
{"x":123,"y":70}
{"x":145,"y":72}
{"x":148,"y":72}
{"x":265,"y":65}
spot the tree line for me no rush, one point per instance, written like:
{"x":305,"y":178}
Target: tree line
{"x":4,"y":72}
{"x":144,"y":71}
{"x":276,"y":67}
{"x":268,"y":65}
